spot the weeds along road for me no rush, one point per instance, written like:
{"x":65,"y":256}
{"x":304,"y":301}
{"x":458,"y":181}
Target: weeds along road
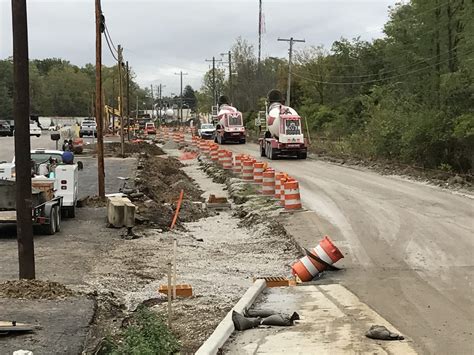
{"x":409,"y":247}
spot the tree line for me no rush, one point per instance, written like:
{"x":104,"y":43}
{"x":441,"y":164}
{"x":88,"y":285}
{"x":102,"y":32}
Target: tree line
{"x":59,"y":88}
{"x":407,"y":96}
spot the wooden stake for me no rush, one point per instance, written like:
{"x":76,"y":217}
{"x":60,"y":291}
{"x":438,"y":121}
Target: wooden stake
{"x":169,"y":295}
{"x":174,"y":268}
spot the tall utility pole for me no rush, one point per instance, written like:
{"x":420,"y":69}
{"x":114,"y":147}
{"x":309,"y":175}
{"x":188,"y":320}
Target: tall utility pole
{"x":161,"y":98}
{"x":120,"y":64}
{"x":259,"y":32}
{"x":152,"y":100}
{"x":181,"y":94}
{"x":214,"y":92}
{"x":229,"y":62}
{"x":290,"y":55}
{"x":21,"y":113}
{"x":128,"y":101}
{"x":99,"y":28}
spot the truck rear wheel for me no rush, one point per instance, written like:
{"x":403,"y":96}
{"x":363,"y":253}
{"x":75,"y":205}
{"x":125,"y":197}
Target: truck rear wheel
{"x":263,"y":147}
{"x":272,"y":154}
{"x":302,"y":155}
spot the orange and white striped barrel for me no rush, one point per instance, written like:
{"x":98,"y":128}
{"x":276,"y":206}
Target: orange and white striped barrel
{"x":221,"y":156}
{"x":237,"y":168}
{"x":227,"y":162}
{"x":214,"y":154}
{"x":292,"y":195}
{"x":278,"y":177}
{"x":283,"y":180}
{"x":307,"y":268}
{"x":247,"y":170}
{"x":181,"y":138}
{"x":268,"y":185}
{"x":258,"y":168}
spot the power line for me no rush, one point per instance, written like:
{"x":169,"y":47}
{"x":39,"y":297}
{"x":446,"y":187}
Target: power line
{"x":420,"y":61}
{"x":110,"y":49}
{"x":377,"y":80}
{"x":110,"y":37}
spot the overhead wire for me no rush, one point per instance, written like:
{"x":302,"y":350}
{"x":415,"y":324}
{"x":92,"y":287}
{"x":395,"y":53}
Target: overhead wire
{"x":393,"y":70}
{"x":377,"y":80}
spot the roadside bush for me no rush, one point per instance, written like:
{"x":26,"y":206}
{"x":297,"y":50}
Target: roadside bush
{"x":146,"y":335}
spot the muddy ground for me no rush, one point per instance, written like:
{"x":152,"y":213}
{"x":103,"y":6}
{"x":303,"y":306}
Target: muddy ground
{"x":219,"y":254}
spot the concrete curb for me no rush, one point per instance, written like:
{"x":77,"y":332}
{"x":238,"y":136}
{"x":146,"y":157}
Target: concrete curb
{"x":226,"y":326}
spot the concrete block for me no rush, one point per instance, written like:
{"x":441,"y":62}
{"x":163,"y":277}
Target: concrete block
{"x":120,"y":212}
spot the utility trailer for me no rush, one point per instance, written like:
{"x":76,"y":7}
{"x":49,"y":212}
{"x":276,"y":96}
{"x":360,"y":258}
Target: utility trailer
{"x":45,"y":214}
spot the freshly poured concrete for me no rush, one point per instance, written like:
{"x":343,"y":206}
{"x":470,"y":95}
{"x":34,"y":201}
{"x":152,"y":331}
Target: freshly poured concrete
{"x":333,"y":321}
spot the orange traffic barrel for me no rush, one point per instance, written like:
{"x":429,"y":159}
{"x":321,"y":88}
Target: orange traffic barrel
{"x":258,"y":168}
{"x":214,"y":153}
{"x":268,"y":184}
{"x":247,"y":170}
{"x":221,"y":156}
{"x":278,"y":177}
{"x":292,"y":195}
{"x":237,"y":168}
{"x":307,"y":268}
{"x":227,"y":162}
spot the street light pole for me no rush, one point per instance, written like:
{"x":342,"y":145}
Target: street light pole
{"x":290,"y":55}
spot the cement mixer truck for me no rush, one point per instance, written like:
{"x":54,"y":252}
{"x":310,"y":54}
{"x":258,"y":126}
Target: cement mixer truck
{"x":283,"y":133}
{"x":229,"y":125}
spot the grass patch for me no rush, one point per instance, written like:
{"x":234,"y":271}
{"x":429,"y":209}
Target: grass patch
{"x":147,"y":334}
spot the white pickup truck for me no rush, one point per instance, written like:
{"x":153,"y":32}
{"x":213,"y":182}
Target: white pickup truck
{"x":65,"y":176}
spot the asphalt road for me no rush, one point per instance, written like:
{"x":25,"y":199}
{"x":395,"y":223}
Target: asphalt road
{"x":409,"y":247}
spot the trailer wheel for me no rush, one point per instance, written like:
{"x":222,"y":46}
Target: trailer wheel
{"x":71,"y":213}
{"x":50,"y":228}
{"x":57,"y":210}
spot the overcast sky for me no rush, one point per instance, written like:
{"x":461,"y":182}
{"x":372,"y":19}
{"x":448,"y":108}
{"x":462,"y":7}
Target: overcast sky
{"x":163,"y":37}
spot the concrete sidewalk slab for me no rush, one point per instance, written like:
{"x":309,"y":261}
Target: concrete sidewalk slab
{"x":333,"y":321}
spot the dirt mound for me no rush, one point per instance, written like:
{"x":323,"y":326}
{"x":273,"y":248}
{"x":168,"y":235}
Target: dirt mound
{"x":161,"y":179}
{"x":92,"y":201}
{"x":34,"y":289}
{"x":113,"y":149}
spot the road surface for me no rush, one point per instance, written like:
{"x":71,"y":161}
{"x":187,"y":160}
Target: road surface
{"x":409,"y":247}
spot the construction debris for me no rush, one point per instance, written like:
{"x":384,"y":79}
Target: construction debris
{"x":380,"y":332}
{"x":34,"y":289}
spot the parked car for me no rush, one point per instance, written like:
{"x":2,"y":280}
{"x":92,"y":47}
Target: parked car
{"x":35,"y":130}
{"x":88,"y":128}
{"x":207,"y":131}
{"x":5,"y":129}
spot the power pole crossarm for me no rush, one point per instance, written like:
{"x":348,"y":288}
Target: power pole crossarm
{"x":290,"y":56}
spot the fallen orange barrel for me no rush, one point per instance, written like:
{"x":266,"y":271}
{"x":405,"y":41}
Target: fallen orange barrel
{"x":307,"y":268}
{"x":268,"y":185}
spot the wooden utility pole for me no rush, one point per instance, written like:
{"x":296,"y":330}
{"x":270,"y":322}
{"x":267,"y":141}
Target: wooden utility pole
{"x":21,"y":114}
{"x":290,"y":55}
{"x":128,"y":102}
{"x":181,"y":94}
{"x":120,"y":63}
{"x":259,"y":33}
{"x":99,"y":28}
{"x":214,"y":89}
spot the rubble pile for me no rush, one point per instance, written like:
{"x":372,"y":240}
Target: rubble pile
{"x":34,"y":289}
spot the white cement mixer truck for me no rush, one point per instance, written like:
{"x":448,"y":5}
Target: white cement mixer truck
{"x":283,"y":133}
{"x":229,"y":125}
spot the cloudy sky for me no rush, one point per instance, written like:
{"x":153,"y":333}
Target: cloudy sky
{"x":163,"y":37}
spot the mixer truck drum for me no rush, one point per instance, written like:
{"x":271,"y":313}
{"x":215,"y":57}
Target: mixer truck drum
{"x":223,"y":100}
{"x":275,"y":96}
